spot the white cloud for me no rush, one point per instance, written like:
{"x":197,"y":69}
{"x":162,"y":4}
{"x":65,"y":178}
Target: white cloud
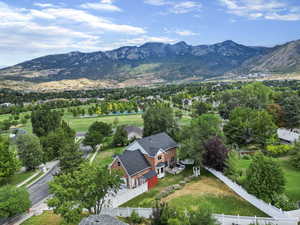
{"x":44,"y":5}
{"x":104,"y":5}
{"x":177,"y":7}
{"x":185,"y":33}
{"x":157,"y":2}
{"x":185,"y":7}
{"x":95,"y":22}
{"x":266,"y":9}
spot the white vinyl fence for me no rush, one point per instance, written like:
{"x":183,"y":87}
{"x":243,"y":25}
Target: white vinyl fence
{"x":258,"y":203}
{"x":223,"y":219}
{"x":124,"y":195}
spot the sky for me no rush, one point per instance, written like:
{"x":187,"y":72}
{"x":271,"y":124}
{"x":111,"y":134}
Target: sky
{"x":34,"y":28}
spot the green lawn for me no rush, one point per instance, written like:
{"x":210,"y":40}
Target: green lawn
{"x":228,"y":205}
{"x":104,"y":157}
{"x":292,"y":176}
{"x":47,"y":218}
{"x":206,"y":191}
{"x":20,"y":177}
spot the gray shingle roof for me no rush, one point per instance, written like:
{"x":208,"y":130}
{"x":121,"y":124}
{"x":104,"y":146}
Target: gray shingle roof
{"x":154,"y":143}
{"x":134,"y":129}
{"x":101,"y":220}
{"x":150,"y":174}
{"x":134,"y":161}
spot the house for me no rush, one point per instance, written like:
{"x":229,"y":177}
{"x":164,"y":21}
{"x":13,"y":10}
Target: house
{"x":146,"y":160}
{"x":287,"y":136}
{"x":101,"y":220}
{"x":80,"y":136}
{"x":133,"y":132}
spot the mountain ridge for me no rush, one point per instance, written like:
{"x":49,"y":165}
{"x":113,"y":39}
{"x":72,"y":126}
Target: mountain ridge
{"x":160,"y":62}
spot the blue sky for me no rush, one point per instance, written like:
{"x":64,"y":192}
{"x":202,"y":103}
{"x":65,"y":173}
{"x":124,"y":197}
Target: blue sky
{"x":32,"y":28}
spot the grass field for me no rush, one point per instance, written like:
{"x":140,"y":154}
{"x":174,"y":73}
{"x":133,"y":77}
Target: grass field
{"x":47,"y":218}
{"x":207,"y":191}
{"x":104,"y":157}
{"x":20,"y":177}
{"x":82,"y":124}
{"x":292,"y":177}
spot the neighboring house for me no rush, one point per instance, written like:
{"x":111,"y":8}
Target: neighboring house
{"x":287,"y":136}
{"x":133,"y":132}
{"x":101,"y":220}
{"x":15,"y":132}
{"x":80,"y":136}
{"x":146,"y":160}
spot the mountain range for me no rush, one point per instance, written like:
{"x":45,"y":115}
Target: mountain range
{"x":153,"y":63}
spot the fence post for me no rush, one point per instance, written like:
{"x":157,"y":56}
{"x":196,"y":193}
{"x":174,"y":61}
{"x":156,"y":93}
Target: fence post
{"x":128,"y":212}
{"x":238,"y":219}
{"x":222,"y":219}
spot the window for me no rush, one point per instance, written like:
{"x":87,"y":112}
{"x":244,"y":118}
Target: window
{"x":162,"y":170}
{"x":157,"y":171}
{"x":172,"y":159}
{"x":159,"y":157}
{"x":119,"y":164}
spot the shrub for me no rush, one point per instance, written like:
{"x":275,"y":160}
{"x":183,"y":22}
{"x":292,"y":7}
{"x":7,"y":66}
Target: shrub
{"x":264,"y":178}
{"x":135,"y":218}
{"x":283,"y":202}
{"x":278,"y":150}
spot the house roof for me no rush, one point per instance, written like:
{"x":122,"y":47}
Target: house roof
{"x":287,"y":135}
{"x":161,"y":164}
{"x":133,"y":161}
{"x":154,"y":143}
{"x":150,"y":174}
{"x":134,"y":129}
{"x":80,"y":134}
{"x":101,"y":220}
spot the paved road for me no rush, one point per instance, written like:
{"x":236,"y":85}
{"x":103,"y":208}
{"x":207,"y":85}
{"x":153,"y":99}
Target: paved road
{"x":40,"y":190}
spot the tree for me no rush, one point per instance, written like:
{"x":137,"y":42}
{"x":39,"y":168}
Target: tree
{"x":70,"y":157}
{"x":116,"y":122}
{"x":53,"y":144}
{"x":87,"y":188}
{"x":295,"y":158}
{"x":97,"y":132}
{"x":194,"y":136}
{"x":120,"y":137}
{"x":291,"y":111}
{"x":264,"y":178}
{"x":203,"y":216}
{"x":45,"y":121}
{"x":13,"y":201}
{"x":9,"y":163}
{"x":247,"y":126}
{"x":232,"y":165}
{"x":255,"y":95}
{"x":199,"y":108}
{"x":159,"y":118}
{"x":215,"y":154}
{"x":30,"y":151}
{"x":277,"y":112}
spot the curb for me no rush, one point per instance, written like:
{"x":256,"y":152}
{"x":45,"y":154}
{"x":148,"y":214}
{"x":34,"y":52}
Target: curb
{"x":37,"y":180}
{"x":28,"y":179}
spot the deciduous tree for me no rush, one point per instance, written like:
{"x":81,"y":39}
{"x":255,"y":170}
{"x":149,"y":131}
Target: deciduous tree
{"x":13,"y":201}
{"x":9,"y":163}
{"x":30,"y":151}
{"x":86,"y":189}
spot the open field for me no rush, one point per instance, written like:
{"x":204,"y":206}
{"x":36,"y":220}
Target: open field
{"x":82,"y":124}
{"x":292,"y":177}
{"x":207,"y":191}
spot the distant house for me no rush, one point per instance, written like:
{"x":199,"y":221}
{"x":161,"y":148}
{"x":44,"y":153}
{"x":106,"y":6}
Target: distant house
{"x":133,"y":132}
{"x":15,"y":132}
{"x":287,"y":136}
{"x":146,"y":160}
{"x":80,"y":136}
{"x":101,"y":220}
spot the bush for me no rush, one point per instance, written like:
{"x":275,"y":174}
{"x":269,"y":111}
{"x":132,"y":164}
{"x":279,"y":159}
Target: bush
{"x":283,"y":202}
{"x":13,"y":201}
{"x":279,"y":150}
{"x":135,"y":218}
{"x":264,"y":178}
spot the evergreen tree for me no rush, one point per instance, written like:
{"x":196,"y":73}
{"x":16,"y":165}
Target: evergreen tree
{"x":120,"y":137}
{"x":70,"y":157}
